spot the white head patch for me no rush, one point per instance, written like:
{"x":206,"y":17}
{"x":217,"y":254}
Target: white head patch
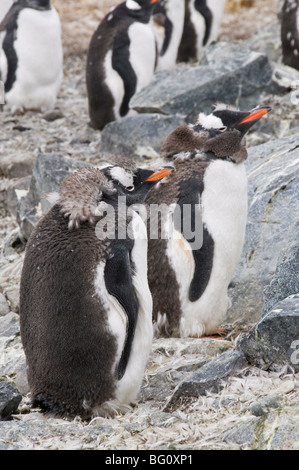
{"x":120,"y":174}
{"x":132,"y":5}
{"x":209,"y":122}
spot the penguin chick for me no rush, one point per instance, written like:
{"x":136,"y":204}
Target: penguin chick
{"x":31,"y":55}
{"x":290,"y":33}
{"x":85,"y":305}
{"x":168,"y":22}
{"x":203,"y":224}
{"x":201,"y":27}
{"x":121,"y":60}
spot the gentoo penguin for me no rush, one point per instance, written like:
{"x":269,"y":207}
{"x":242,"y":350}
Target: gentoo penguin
{"x":168,"y":22}
{"x":202,"y":208}
{"x":201,"y":27}
{"x":85,"y":305}
{"x":290,"y":33}
{"x":121,"y":60}
{"x":4,"y":7}
{"x":31,"y":55}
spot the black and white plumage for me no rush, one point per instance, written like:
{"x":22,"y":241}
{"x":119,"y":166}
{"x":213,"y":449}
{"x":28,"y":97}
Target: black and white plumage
{"x":201,"y":27}
{"x":31,"y":55}
{"x":189,"y":273}
{"x":168,"y":22}
{"x":85,"y":305}
{"x":290,"y":33}
{"x":121,"y":60}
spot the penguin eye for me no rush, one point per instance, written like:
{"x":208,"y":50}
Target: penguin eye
{"x":130,"y":188}
{"x":222,"y":129}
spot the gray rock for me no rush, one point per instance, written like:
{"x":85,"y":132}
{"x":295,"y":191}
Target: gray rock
{"x":9,"y":325}
{"x":273,"y":342}
{"x":277,"y":429}
{"x":263,"y":406}
{"x":230,"y":73}
{"x":4,"y":307}
{"x":17,"y":165}
{"x":10,"y":399}
{"x":272,"y":226}
{"x":139,"y":137}
{"x":285,"y":281}
{"x":209,"y":377}
{"x":49,"y":171}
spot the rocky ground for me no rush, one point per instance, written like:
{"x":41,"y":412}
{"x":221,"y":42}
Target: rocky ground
{"x":197,"y":394}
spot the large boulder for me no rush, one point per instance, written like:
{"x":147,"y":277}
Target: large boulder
{"x":230,"y":72}
{"x":272,"y":228}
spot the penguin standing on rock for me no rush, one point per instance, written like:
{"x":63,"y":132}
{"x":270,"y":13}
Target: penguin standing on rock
{"x":121,"y":60}
{"x":85,"y":305}
{"x":31,"y":55}
{"x":290,"y":33}
{"x":168,"y":22}
{"x":201,"y":27}
{"x":202,"y":231}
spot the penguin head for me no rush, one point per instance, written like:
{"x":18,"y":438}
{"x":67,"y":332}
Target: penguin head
{"x":226,"y":119}
{"x":220,"y":133}
{"x":134,"y":184}
{"x":140,"y":4}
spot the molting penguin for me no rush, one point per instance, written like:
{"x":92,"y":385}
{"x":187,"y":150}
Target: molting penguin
{"x":201,"y":27}
{"x":85,"y":305}
{"x":31,"y":55}
{"x":121,"y":60}
{"x":199,"y":245}
{"x":290,"y":33}
{"x":168,"y":22}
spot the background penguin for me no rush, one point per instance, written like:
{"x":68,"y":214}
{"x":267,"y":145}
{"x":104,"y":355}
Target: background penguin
{"x":209,"y":177}
{"x":290,"y":33}
{"x":31,"y":55}
{"x":4,"y":7}
{"x":201,"y":27}
{"x":168,"y":22}
{"x":121,"y":60}
{"x":85,"y":305}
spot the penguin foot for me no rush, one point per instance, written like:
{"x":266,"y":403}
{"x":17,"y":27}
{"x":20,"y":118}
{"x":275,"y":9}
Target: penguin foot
{"x":219,"y":333}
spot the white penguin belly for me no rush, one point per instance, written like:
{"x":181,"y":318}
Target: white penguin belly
{"x":114,"y":83}
{"x":224,"y":214}
{"x":40,"y":56}
{"x":176,"y":14}
{"x":199,"y":26}
{"x":128,"y":387}
{"x":217,"y":9}
{"x":142,"y":53}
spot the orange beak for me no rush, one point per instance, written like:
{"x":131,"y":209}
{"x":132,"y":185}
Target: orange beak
{"x":153,"y":1}
{"x":255,"y":115}
{"x":158,"y":175}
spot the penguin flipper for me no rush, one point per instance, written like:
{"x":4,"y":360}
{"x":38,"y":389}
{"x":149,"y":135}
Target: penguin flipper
{"x":201,"y":244}
{"x":122,"y":65}
{"x":118,"y":280}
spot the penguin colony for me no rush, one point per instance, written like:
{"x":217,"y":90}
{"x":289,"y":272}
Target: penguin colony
{"x":90,"y":303}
